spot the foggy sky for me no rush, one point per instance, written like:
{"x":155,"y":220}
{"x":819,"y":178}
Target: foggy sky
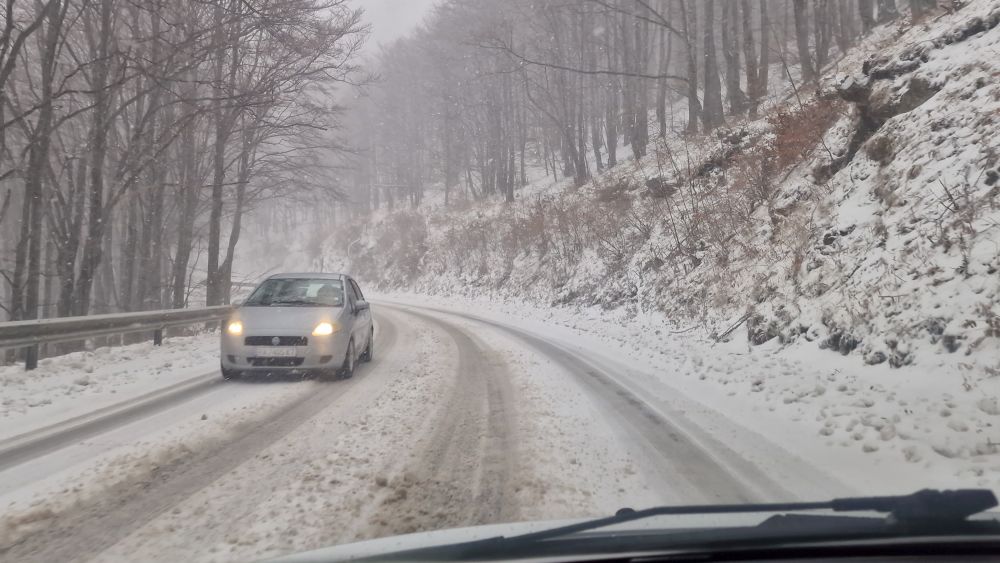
{"x":391,"y":19}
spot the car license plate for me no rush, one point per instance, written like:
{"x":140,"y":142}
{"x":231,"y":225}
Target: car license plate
{"x":276,"y":352}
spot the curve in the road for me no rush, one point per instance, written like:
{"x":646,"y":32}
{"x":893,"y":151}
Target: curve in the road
{"x":678,"y":460}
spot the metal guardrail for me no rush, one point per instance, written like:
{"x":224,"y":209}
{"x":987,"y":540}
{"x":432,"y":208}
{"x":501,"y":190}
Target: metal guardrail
{"x":29,"y":334}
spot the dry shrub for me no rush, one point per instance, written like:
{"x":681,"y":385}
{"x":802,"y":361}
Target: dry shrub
{"x":880,"y":149}
{"x":404,"y":243}
{"x":616,"y":189}
{"x":534,"y":228}
{"x":798,"y":130}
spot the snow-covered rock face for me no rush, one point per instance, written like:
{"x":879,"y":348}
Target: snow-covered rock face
{"x":907,"y":266}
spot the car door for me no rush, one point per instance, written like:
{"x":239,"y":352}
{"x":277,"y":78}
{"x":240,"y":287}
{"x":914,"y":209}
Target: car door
{"x":364,"y":315}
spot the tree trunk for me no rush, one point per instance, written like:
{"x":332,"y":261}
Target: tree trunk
{"x":69,"y":243}
{"x":242,"y":179}
{"x":750,"y":56}
{"x":640,"y":121}
{"x":887,"y":11}
{"x":189,"y":188}
{"x":765,"y":55}
{"x":49,"y":292}
{"x":150,"y":272}
{"x":844,"y":31}
{"x":129,"y":258}
{"x":821,"y":29}
{"x":38,"y":160}
{"x":731,"y":54}
{"x":624,"y":47}
{"x":800,"y":13}
{"x":865,"y":12}
{"x":594,"y":109}
{"x":97,"y":218}
{"x":104,"y":300}
{"x":449,"y":166}
{"x":712,"y":115}
{"x":21,"y":260}
{"x":689,"y":17}
{"x":611,"y":105}
{"x":666,"y":52}
{"x":214,"y":288}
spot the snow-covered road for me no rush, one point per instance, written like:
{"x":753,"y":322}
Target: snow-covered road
{"x":459,"y":420}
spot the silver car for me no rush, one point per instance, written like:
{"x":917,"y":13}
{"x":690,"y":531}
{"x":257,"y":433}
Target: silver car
{"x":299,"y":323}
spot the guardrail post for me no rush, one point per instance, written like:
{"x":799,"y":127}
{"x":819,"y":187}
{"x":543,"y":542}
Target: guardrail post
{"x":31,"y":357}
{"x":158,"y":337}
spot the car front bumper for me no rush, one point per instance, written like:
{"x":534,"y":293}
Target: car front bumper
{"x":254,"y":351}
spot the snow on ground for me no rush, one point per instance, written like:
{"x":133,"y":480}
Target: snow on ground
{"x":67,"y":386}
{"x":357,"y":470}
{"x":876,"y":429}
{"x":571,"y":463}
{"x":35,"y":494}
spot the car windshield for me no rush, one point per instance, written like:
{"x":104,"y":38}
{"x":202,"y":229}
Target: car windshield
{"x":286,"y":292}
{"x":284,"y":275}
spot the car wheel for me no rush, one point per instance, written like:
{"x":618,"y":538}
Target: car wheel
{"x":231,"y":373}
{"x":369,"y":352}
{"x":347,"y":369}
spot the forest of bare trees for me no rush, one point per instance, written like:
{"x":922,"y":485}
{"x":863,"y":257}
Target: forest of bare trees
{"x":485,"y":90}
{"x":135,"y":136}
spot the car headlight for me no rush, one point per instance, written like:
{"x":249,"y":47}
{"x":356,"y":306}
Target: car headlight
{"x":235,"y":328}
{"x":325,"y":329}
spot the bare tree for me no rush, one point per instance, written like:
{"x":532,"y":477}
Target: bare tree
{"x":822,"y":30}
{"x":689,"y":18}
{"x":887,"y":11}
{"x":738,"y":102}
{"x":865,"y":11}
{"x":712,"y":114}
{"x":802,"y":39}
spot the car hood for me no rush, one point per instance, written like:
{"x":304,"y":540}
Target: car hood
{"x":263,"y":320}
{"x":385,"y":546}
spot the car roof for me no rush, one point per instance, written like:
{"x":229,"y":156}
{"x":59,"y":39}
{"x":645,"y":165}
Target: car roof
{"x":309,"y":275}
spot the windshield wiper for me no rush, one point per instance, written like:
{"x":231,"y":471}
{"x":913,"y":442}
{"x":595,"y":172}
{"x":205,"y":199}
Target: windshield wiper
{"x":925,"y":512}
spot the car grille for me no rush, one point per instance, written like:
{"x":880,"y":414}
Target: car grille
{"x":282,"y":341}
{"x":276,"y":362}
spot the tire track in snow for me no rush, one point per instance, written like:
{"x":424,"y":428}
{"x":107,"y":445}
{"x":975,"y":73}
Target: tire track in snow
{"x":462,"y":474}
{"x":26,"y":447}
{"x":85,"y":531}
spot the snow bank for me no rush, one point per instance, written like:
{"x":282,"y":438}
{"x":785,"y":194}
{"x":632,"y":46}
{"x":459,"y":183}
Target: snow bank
{"x":67,"y":386}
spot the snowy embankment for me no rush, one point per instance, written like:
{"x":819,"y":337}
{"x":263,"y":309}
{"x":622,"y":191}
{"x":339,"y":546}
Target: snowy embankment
{"x":79,"y":383}
{"x":862,"y":218}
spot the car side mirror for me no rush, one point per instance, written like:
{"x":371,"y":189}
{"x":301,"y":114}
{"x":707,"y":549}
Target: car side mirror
{"x":236,"y":302}
{"x":363,"y":306}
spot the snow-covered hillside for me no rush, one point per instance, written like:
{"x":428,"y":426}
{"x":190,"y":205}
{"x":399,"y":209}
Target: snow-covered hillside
{"x":861,"y":217}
